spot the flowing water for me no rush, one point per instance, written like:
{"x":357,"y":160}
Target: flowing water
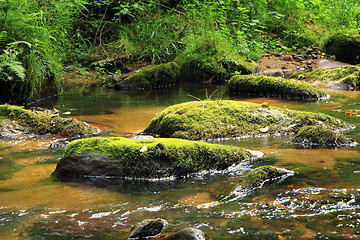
{"x":321,"y":201}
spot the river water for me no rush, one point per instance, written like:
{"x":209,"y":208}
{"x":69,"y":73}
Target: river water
{"x":321,"y":201}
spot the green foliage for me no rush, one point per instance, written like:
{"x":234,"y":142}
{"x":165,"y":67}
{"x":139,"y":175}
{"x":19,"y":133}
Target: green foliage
{"x":202,"y":120}
{"x":274,"y":87}
{"x":32,"y":47}
{"x":157,"y":157}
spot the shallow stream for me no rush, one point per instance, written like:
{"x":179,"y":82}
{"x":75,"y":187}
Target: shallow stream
{"x":321,"y":201}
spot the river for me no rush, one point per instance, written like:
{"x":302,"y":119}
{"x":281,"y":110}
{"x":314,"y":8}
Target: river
{"x":321,"y":201}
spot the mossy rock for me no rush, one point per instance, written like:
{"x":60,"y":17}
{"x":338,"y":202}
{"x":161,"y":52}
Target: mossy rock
{"x":149,"y":158}
{"x":321,"y":136}
{"x":345,"y":45}
{"x":163,"y":75}
{"x":258,"y":176}
{"x":42,"y":122}
{"x":345,"y":75}
{"x":274,"y":87}
{"x":208,"y":64}
{"x":202,"y":120}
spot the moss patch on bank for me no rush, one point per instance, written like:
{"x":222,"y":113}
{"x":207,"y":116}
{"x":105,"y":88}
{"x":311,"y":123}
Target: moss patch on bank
{"x":345,"y":74}
{"x":208,"y":63}
{"x":321,"y":136}
{"x":345,"y":45}
{"x":42,"y":122}
{"x":274,"y":87}
{"x":201,"y":120}
{"x":159,"y":76}
{"x":150,"y":158}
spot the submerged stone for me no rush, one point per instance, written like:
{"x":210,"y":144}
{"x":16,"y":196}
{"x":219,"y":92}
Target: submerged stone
{"x":258,"y":176}
{"x":345,"y":45}
{"x":203,"y":120}
{"x":40,"y":121}
{"x":346,"y":75}
{"x":187,"y":234}
{"x":117,"y":157}
{"x":159,"y":76}
{"x":321,"y":136}
{"x":274,"y":87}
{"x":148,"y":228}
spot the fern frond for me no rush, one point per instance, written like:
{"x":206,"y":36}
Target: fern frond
{"x":3,"y":35}
{"x":17,"y":68}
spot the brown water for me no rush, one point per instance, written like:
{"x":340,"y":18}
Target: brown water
{"x":320,"y":202}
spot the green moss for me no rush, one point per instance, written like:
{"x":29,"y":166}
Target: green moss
{"x":274,"y":87}
{"x":229,"y":119}
{"x":345,"y":45}
{"x":41,"y":122}
{"x":157,"y":157}
{"x":345,"y":74}
{"x":260,"y":174}
{"x":207,"y":63}
{"x":159,"y":76}
{"x":321,"y":136}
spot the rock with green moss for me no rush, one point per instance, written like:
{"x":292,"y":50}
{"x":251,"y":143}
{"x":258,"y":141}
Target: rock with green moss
{"x":345,"y":45}
{"x":209,"y":64}
{"x":344,"y":77}
{"x":150,"y":158}
{"x":202,"y":120}
{"x":17,"y":120}
{"x":320,"y":136}
{"x":159,"y":76}
{"x":274,"y":87}
{"x":258,"y":176}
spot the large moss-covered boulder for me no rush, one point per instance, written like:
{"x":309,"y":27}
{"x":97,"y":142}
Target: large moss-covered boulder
{"x":149,"y":158}
{"x":208,"y":63}
{"x":230,"y":119}
{"x":345,"y":45}
{"x":40,"y":121}
{"x":320,"y":136}
{"x":159,"y":76}
{"x":274,"y":87}
{"x":349,"y":75}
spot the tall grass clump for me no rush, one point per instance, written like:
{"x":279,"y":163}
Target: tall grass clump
{"x":32,"y":39}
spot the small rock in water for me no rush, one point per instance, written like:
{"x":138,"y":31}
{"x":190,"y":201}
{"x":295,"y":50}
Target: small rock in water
{"x":277,"y":74}
{"x":142,"y":137}
{"x":264,"y":129}
{"x":59,"y":144}
{"x":187,"y":234}
{"x":148,"y":228}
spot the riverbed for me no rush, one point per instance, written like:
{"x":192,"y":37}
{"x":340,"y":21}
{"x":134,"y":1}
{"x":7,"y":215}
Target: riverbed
{"x":321,"y":201}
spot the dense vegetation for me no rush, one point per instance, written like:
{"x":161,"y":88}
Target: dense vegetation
{"x":37,"y":37}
